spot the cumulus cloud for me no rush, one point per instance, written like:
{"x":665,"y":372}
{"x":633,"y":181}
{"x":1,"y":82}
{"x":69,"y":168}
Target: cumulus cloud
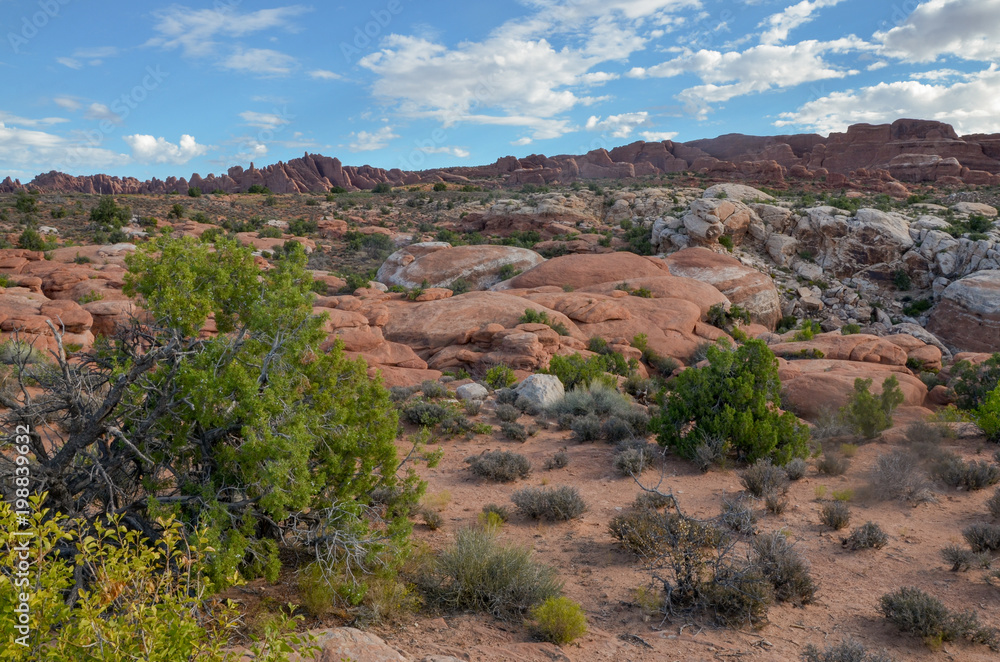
{"x":966,"y":29}
{"x":149,"y":149}
{"x":619,"y":126}
{"x":457,"y":152}
{"x":971,"y":106}
{"x":757,"y":69}
{"x":23,"y":149}
{"x":365,"y":141}
{"x":260,"y":61}
{"x":780,"y":24}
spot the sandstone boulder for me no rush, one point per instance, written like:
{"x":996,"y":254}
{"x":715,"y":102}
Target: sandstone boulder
{"x":968,"y":315}
{"x":578,"y":271}
{"x":811,"y":387}
{"x":480,"y":266}
{"x":542,"y":391}
{"x":742,"y":285}
{"x":472,"y":392}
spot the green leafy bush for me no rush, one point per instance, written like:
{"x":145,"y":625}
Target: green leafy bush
{"x":850,"y":329}
{"x":108,"y":214}
{"x":869,"y":415}
{"x":559,"y":620}
{"x":736,"y":397}
{"x":500,"y":376}
{"x":972,"y":383}
{"x":480,"y":573}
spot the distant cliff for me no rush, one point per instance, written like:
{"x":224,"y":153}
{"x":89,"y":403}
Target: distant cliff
{"x":906,"y":150}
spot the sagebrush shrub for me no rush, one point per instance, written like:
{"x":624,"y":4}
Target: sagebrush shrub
{"x":508,"y":413}
{"x":775,"y":503}
{"x":867,"y":536}
{"x":921,"y":614}
{"x":433,"y":389}
{"x":849,"y":650}
{"x":557,"y":461}
{"x":835,"y":514}
{"x":764,"y":478}
{"x":587,"y":428}
{"x":506,"y":396}
{"x":559,"y":620}
{"x":501,"y":466}
{"x":961,"y":559}
{"x":897,"y":475}
{"x":616,"y":429}
{"x":796,"y":469}
{"x":784,"y":567}
{"x":481,"y":573}
{"x":993,"y":504}
{"x":514,"y":431}
{"x":712,"y":451}
{"x":975,"y":475}
{"x":738,"y":515}
{"x":833,"y":465}
{"x":554,"y":504}
{"x":425,"y":413}
{"x":983,"y":537}
{"x":633,"y":460}
{"x":502,"y":512}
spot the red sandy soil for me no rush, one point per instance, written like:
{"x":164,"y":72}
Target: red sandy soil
{"x":603,"y":577}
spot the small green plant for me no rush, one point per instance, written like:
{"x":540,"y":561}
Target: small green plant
{"x":425,"y":413}
{"x":93,"y":295}
{"x":727,"y":242}
{"x":901,"y":280}
{"x":916,"y":308}
{"x":500,"y":376}
{"x":869,"y":415}
{"x":850,"y":329}
{"x":559,"y":620}
{"x":507,"y":271}
{"x":807,"y":330}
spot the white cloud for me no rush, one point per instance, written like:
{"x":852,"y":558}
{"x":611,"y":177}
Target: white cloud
{"x":8,"y":118}
{"x":758,"y":69}
{"x":268,"y":121}
{"x":967,"y":29}
{"x":515,"y":76}
{"x":260,"y":61}
{"x":323,"y":74}
{"x":657,"y":136}
{"x":149,"y":149}
{"x":68,"y":103}
{"x":364,"y":141}
{"x":194,"y":31}
{"x":94,"y":56}
{"x":780,"y":24}
{"x":457,"y":152}
{"x":26,"y":149}
{"x":971,"y":106}
{"x":521,"y":142}
{"x":619,"y":126}
{"x":100,"y":112}
{"x":69,"y":62}
{"x":875,"y":66}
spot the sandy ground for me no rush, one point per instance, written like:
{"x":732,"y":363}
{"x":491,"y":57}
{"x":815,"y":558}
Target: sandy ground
{"x":603,"y":578}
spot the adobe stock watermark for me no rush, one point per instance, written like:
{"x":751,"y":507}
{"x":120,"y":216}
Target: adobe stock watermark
{"x":31,"y":24}
{"x":21,"y":572}
{"x":365,"y":35}
{"x":122,"y":107}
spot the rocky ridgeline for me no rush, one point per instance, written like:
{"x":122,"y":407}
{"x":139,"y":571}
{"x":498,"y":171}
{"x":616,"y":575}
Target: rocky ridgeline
{"x":875,"y":157}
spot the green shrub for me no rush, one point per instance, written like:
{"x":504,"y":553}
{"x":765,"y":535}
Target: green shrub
{"x":915,"y":308}
{"x":598,"y":399}
{"x":807,"y":330}
{"x":868,"y":414}
{"x":502,"y":513}
{"x":633,"y":459}
{"x":784,"y":567}
{"x":993,"y":504}
{"x":915,"y":612}
{"x":763,"y":478}
{"x":901,"y":280}
{"x":20,"y":352}
{"x":867,"y":536}
{"x":850,"y":329}
{"x":108,"y":214}
{"x":31,"y":240}
{"x":587,"y":428}
{"x":500,"y":376}
{"x":558,"y":461}
{"x":270,"y":232}
{"x":559,"y":620}
{"x":987,"y":414}
{"x":736,"y":396}
{"x":480,"y":573}
{"x":727,"y":242}
{"x":836,"y":515}
{"x":849,"y":650}
{"x":554,"y":504}
{"x":574,"y":370}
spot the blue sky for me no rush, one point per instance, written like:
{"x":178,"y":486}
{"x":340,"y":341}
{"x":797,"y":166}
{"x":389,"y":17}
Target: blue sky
{"x":153,"y":89}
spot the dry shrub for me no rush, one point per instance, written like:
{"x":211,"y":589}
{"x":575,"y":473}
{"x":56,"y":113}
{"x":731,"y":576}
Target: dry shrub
{"x":849,"y":650}
{"x":898,"y":476}
{"x":738,"y":515}
{"x":796,"y":469}
{"x":867,"y":536}
{"x":983,"y":537}
{"x":918,"y":613}
{"x":961,"y":559}
{"x":784,"y":567}
{"x":764,"y":478}
{"x":832,"y":465}
{"x":553,"y":504}
{"x":836,"y":515}
{"x":501,"y":466}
